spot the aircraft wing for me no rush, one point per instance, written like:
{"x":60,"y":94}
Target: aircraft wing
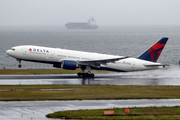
{"x":97,"y":62}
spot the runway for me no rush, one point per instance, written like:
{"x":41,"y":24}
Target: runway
{"x":169,"y":76}
{"x":36,"y":110}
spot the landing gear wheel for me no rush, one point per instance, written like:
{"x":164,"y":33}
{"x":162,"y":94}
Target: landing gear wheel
{"x":79,"y":74}
{"x":19,"y":63}
{"x":86,"y":75}
{"x":20,"y":66}
{"x":92,"y":75}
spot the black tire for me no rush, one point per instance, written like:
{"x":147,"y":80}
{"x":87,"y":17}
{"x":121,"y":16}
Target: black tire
{"x":79,"y":74}
{"x":84,"y":75}
{"x":92,"y":75}
{"x":19,"y":66}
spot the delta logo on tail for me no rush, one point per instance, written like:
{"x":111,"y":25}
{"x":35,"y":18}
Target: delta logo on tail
{"x":153,"y":53}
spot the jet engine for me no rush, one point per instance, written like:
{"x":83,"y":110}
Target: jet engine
{"x":66,"y":64}
{"x":69,"y":64}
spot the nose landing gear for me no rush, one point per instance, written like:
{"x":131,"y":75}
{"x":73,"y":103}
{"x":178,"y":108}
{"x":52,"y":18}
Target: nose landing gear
{"x":19,"y":63}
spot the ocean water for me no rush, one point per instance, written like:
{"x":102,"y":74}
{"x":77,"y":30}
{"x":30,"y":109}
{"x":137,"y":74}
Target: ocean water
{"x":116,"y":40}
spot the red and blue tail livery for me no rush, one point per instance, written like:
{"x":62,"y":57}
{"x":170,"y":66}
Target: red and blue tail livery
{"x":153,"y":53}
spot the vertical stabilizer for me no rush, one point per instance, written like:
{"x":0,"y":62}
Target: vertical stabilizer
{"x":153,"y":53}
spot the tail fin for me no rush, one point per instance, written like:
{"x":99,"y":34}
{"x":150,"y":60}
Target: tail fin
{"x":153,"y":53}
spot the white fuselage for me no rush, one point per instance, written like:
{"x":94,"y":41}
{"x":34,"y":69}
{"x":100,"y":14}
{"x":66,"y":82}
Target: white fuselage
{"x":56,"y":55}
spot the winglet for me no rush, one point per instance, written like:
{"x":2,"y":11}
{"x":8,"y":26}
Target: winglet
{"x":153,"y":53}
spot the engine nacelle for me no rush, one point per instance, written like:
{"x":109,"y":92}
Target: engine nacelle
{"x":69,"y":64}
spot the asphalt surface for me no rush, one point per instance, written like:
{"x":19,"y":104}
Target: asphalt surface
{"x":36,"y":110}
{"x":155,"y":77}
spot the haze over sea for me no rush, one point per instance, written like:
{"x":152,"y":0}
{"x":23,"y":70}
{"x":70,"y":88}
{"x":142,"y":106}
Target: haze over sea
{"x":117,"y":40}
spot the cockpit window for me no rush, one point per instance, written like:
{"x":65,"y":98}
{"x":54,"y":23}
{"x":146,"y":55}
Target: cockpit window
{"x":13,"y":49}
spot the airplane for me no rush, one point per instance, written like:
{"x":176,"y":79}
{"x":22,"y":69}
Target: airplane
{"x":72,"y":60}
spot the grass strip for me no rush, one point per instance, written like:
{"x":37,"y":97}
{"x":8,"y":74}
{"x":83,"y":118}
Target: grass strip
{"x":37,"y":71}
{"x":153,"y":113}
{"x":42,"y":71}
{"x":86,"y":92}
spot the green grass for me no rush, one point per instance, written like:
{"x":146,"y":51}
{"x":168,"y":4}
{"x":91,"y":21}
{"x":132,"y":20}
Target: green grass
{"x":42,"y":71}
{"x":135,"y":113}
{"x":38,"y":71}
{"x":86,"y":92}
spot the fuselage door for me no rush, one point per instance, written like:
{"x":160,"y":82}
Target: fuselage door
{"x":51,"y":55}
{"x":133,"y":65}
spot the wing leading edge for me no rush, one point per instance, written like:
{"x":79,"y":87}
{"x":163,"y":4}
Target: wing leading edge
{"x":97,"y":62}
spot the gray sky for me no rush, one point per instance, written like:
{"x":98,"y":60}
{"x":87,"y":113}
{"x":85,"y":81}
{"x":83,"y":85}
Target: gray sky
{"x":106,"y":12}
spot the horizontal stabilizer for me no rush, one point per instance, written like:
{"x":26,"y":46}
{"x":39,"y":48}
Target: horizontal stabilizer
{"x":156,"y":65}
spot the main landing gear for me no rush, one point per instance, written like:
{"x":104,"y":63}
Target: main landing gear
{"x":88,"y":74}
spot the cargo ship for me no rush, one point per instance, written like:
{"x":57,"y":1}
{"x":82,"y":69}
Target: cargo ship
{"x":91,"y":24}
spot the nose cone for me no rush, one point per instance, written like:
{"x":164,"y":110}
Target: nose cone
{"x":9,"y":52}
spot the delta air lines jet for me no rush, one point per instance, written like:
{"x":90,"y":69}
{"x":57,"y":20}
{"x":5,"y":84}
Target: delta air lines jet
{"x":71,"y":59}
